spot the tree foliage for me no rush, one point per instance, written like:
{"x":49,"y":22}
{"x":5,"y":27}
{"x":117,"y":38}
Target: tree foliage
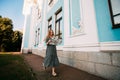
{"x":9,"y":40}
{"x":16,"y":40}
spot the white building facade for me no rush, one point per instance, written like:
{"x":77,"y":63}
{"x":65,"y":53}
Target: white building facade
{"x":88,"y":28}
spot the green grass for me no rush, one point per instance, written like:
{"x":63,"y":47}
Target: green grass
{"x":12,"y":67}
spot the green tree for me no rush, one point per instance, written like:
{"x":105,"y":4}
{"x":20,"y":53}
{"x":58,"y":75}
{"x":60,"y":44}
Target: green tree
{"x":5,"y":33}
{"x":17,"y":40}
{"x":9,"y":40}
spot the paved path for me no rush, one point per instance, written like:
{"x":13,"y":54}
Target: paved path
{"x":64,"y":72}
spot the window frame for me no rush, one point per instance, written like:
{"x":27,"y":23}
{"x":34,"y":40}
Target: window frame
{"x":58,"y":21}
{"x":38,"y":36}
{"x":50,"y":25}
{"x":35,"y":38}
{"x":50,"y":2}
{"x":114,"y":26}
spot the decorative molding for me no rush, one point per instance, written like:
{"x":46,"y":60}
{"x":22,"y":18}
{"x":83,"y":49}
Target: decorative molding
{"x":76,"y":31}
{"x":103,"y":46}
{"x":110,"y":46}
{"x":82,"y":47}
{"x":80,"y":30}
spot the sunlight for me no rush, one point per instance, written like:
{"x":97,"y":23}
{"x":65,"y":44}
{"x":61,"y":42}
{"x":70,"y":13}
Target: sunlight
{"x":29,"y":3}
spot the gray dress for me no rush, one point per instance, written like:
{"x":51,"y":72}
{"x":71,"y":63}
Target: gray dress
{"x":51,"y":59}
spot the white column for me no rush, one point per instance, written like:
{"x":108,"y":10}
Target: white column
{"x":24,"y":32}
{"x":44,"y":23}
{"x":66,"y":21}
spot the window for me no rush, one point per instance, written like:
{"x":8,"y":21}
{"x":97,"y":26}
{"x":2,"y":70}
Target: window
{"x":39,"y":14}
{"x":58,"y":23}
{"x":115,"y":13}
{"x":50,"y":4}
{"x":37,"y":37}
{"x":50,"y":23}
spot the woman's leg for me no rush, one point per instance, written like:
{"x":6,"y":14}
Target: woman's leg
{"x":53,"y":71}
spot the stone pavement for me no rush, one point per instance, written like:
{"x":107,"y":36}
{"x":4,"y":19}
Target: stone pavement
{"x":64,"y":72}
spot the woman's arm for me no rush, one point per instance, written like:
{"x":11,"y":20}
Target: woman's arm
{"x":56,"y":41}
{"x":48,"y":41}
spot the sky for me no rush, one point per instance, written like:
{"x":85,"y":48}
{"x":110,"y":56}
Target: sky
{"x":13,"y":9}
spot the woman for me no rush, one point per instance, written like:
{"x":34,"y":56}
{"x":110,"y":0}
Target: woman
{"x":51,"y":59}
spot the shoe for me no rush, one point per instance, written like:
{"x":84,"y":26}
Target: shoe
{"x":54,"y":74}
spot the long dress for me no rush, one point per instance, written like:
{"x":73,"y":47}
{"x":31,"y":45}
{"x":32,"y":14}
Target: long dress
{"x":51,"y":59}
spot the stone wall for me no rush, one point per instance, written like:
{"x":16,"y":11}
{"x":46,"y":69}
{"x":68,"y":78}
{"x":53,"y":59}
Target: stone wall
{"x":103,"y":64}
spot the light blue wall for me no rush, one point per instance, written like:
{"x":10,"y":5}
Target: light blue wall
{"x":55,"y":8}
{"x":104,"y":24}
{"x":27,"y":32}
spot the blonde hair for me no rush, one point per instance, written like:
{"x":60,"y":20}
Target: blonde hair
{"x":49,"y":33}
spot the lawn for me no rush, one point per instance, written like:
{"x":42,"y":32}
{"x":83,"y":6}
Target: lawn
{"x":13,"y":67}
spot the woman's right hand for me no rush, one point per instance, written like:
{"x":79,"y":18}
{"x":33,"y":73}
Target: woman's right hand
{"x":48,"y":41}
